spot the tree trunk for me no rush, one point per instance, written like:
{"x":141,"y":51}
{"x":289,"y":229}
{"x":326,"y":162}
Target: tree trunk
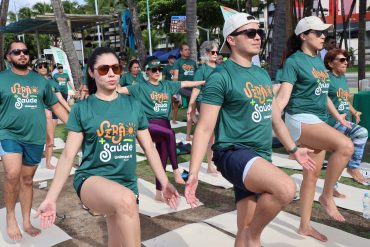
{"x":248,"y":6}
{"x":140,"y":45}
{"x":3,"y":13}
{"x":308,"y":6}
{"x":361,"y":40}
{"x":344,"y":33}
{"x":67,"y":42}
{"x":191,"y":27}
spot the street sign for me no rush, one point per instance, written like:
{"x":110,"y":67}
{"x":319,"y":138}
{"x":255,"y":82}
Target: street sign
{"x":178,"y":24}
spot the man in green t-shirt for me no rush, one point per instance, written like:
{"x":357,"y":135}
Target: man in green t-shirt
{"x":168,"y":70}
{"x":23,"y":97}
{"x":63,"y":81}
{"x":184,"y":70}
{"x":237,"y":105}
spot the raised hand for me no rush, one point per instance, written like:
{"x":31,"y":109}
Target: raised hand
{"x":302,"y":157}
{"x":47,"y":213}
{"x":343,"y":121}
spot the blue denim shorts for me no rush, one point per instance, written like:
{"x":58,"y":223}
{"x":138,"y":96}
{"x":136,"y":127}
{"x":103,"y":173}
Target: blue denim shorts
{"x":31,"y":153}
{"x":232,"y":165}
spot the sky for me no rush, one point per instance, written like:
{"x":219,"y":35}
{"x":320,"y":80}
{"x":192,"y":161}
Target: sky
{"x":17,"y":4}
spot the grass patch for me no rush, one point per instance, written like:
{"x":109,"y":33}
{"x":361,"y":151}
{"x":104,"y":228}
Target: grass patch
{"x":354,"y":69}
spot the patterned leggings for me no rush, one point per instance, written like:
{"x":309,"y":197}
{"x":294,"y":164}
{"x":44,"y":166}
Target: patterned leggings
{"x":359,"y":137}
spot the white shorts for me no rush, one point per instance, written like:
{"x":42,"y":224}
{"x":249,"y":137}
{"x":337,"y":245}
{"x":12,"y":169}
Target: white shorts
{"x":293,"y":123}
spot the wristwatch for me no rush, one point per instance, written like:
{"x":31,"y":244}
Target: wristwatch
{"x":292,"y":151}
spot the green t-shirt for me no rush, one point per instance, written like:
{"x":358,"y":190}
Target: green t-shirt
{"x":62,"y":79}
{"x":22,"y":106}
{"x":310,"y":83}
{"x":339,"y":94}
{"x":202,"y":74}
{"x":186,"y":68}
{"x":168,"y":72}
{"x":129,"y":79}
{"x":54,"y":87}
{"x":156,"y":99}
{"x":245,"y":96}
{"x":109,"y":144}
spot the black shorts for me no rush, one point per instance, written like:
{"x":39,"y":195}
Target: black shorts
{"x":231,"y":163}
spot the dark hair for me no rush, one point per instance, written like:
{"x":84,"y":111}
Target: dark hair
{"x":8,"y":49}
{"x":132,"y":62}
{"x":171,"y":56}
{"x":149,"y":59}
{"x":329,"y":37}
{"x":182,"y":46}
{"x":332,"y":54}
{"x":293,"y":44}
{"x":91,"y":84}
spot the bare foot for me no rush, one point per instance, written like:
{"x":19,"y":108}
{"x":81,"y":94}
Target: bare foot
{"x":356,"y":175}
{"x":330,"y":208}
{"x":189,"y":138}
{"x":12,"y":228}
{"x":252,"y":241}
{"x":310,"y":231}
{"x":177,"y":176}
{"x":50,"y":166}
{"x":212,"y":169}
{"x":337,"y":194}
{"x":31,"y":230}
{"x":159,"y":196}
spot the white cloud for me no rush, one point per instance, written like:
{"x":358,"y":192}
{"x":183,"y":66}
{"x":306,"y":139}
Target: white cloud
{"x":15,"y":5}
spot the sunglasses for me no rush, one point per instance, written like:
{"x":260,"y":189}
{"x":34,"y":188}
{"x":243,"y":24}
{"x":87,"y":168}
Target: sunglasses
{"x":104,"y":69}
{"x":42,"y":66}
{"x":342,"y":59}
{"x":155,"y":70}
{"x":318,"y":33}
{"x":18,"y":52}
{"x":250,"y":33}
{"x":214,"y":52}
{"x":60,"y":67}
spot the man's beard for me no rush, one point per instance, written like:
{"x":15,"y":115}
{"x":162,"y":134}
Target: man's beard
{"x":20,"y":66}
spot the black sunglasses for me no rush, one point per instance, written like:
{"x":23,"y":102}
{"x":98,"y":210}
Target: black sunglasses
{"x":104,"y":69}
{"x":342,"y":59}
{"x":18,"y":52}
{"x":60,"y":67}
{"x":250,"y":33}
{"x":155,"y":70}
{"x":214,"y":52}
{"x":40,"y":66}
{"x":318,"y":33}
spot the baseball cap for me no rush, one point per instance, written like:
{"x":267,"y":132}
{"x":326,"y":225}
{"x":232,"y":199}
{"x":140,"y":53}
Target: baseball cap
{"x":310,"y":22}
{"x":232,"y":23}
{"x":41,"y":61}
{"x":153,"y":64}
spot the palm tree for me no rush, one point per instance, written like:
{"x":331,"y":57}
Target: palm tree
{"x":191,"y":27}
{"x":361,"y":40}
{"x":3,"y":15}
{"x":24,"y":13}
{"x":41,"y":9}
{"x":67,"y":41}
{"x":137,"y":31}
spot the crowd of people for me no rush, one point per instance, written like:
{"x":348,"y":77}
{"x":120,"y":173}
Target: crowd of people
{"x":233,"y":104}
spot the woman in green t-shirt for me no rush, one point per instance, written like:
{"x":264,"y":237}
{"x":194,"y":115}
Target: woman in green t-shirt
{"x":208,"y":53}
{"x":304,"y":94}
{"x":133,"y":76}
{"x":107,"y":124}
{"x":42,"y":68}
{"x":336,"y":60}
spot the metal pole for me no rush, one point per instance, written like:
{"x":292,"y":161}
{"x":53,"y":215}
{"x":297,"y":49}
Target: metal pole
{"x":98,"y":27}
{"x":149,"y":30}
{"x":206,"y":30}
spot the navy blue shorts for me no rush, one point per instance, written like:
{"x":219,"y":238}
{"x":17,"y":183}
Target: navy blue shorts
{"x":231,"y":163}
{"x":31,"y":153}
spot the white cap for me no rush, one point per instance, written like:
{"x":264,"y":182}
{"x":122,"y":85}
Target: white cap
{"x":234,"y":22}
{"x":310,"y":22}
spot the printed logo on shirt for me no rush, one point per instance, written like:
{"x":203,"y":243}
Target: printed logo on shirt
{"x":62,"y":81}
{"x":323,"y":81}
{"x":26,"y":96}
{"x":343,"y":96}
{"x":261,"y":100}
{"x":118,"y":140}
{"x":160,"y":101}
{"x":188,"y":69}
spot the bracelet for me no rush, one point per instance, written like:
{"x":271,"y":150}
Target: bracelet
{"x":292,"y":151}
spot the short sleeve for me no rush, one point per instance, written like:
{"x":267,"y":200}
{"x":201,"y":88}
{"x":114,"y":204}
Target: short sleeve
{"x":134,"y":90}
{"x":74,"y":119}
{"x":49,"y":96}
{"x":213,"y":92}
{"x":176,"y":65}
{"x":199,"y":75}
{"x":122,"y":80}
{"x":142,"y":120}
{"x":289,"y":72}
{"x":54,"y":86}
{"x":175,"y":86}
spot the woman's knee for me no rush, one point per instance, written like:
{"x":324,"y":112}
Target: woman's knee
{"x":126,"y":203}
{"x":346,"y":146}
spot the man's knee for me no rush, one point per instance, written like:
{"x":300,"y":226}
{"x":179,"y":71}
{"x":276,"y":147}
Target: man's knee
{"x":285,"y":192}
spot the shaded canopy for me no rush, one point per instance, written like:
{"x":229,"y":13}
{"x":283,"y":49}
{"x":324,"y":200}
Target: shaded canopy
{"x":47,"y":24}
